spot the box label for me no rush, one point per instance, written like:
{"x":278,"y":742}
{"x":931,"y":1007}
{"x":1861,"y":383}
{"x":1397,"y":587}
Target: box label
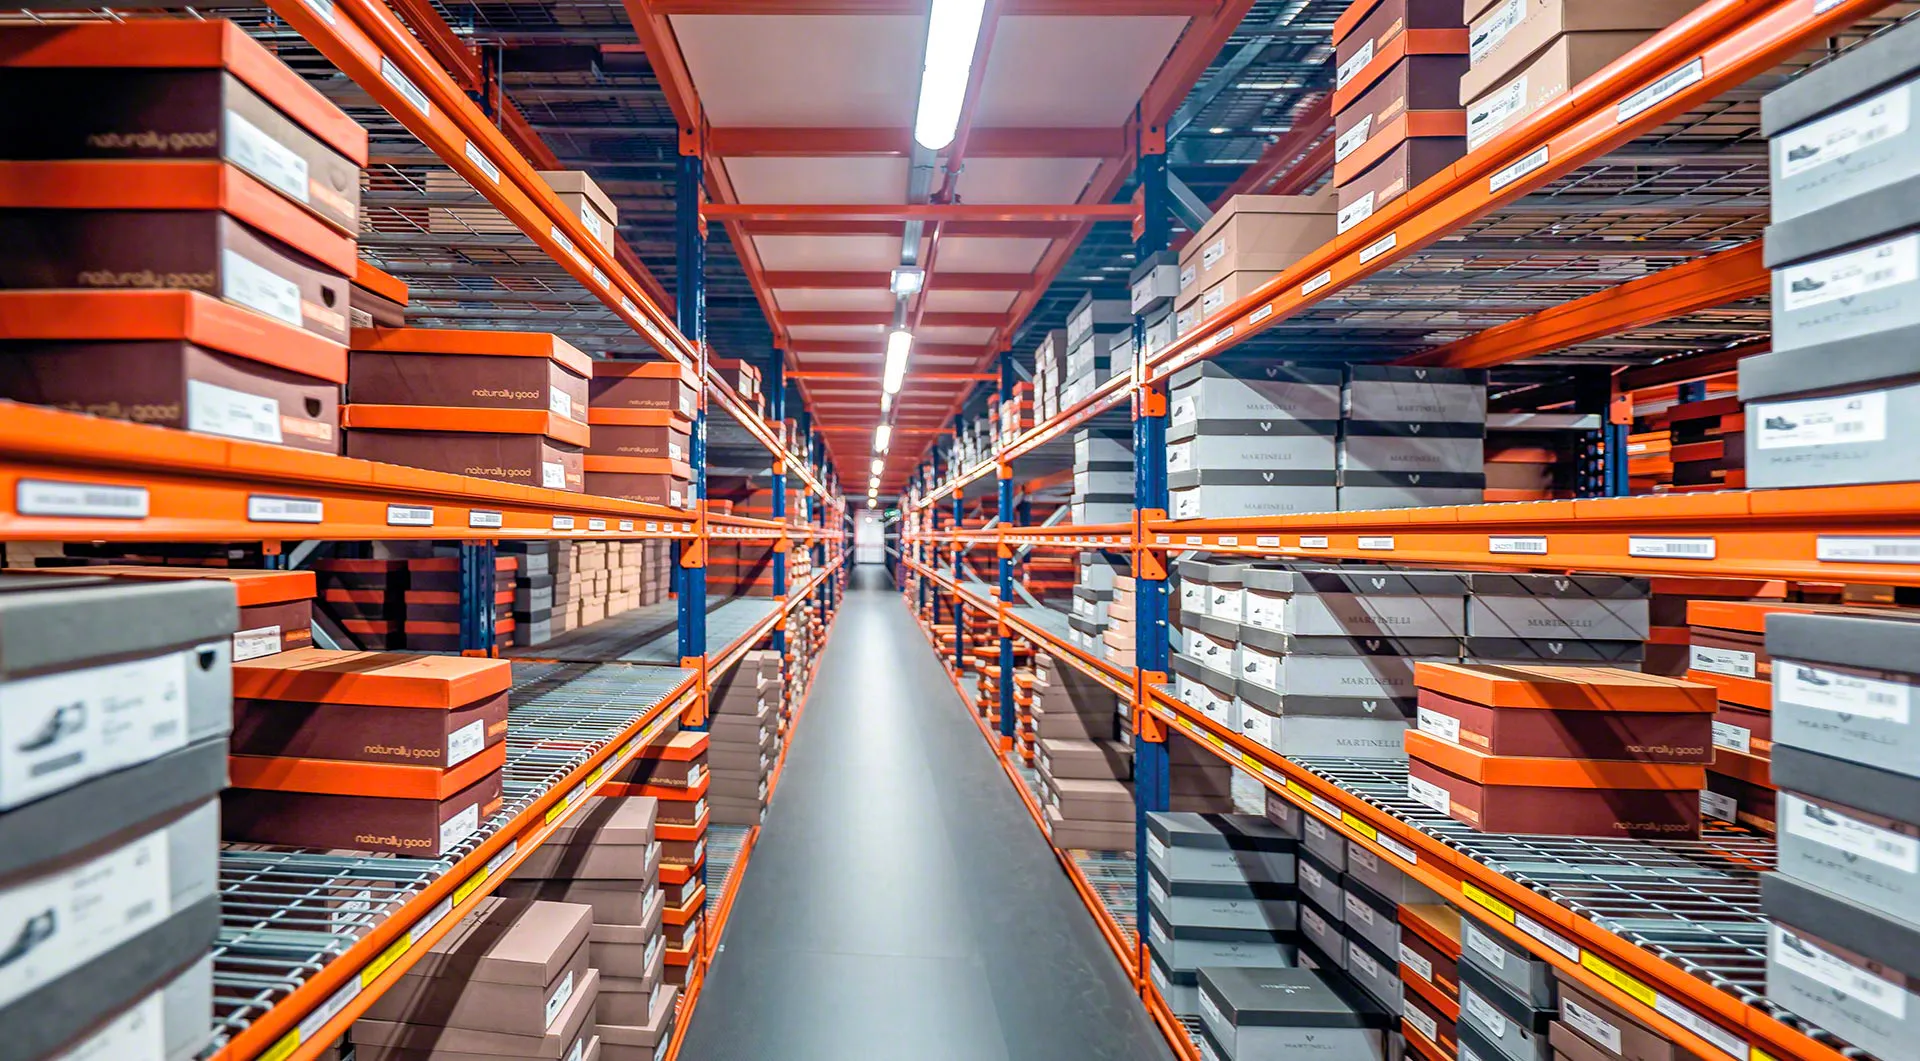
{"x":1822,"y":421}
{"x":139,"y":1034}
{"x":264,"y":508}
{"x":560,"y":403}
{"x":558,"y":1000}
{"x":459,"y":827}
{"x":1362,"y":961}
{"x":255,"y":643}
{"x":1730,"y":1044}
{"x":1490,"y":32}
{"x":1671,"y":548}
{"x":1357,"y":909}
{"x":57,"y":730}
{"x":1481,"y":944}
{"x":1489,"y":116}
{"x":402,"y":84}
{"x":1802,"y":957}
{"x":1829,"y":827}
{"x":216,"y":410}
{"x":592,"y":223}
{"x":1354,"y":64}
{"x":1422,"y":1023}
{"x":1846,"y":275}
{"x":1846,"y":694}
{"x":64,"y":920}
{"x":409,"y":516}
{"x":1532,"y":161}
{"x":1553,"y":939}
{"x":484,"y":519}
{"x":596,"y":524}
{"x":253,"y":150}
{"x":1354,"y":212}
{"x":1732,"y":737}
{"x":1445,"y":727}
{"x":1350,"y":141}
{"x":1428,"y":795}
{"x":1730,"y":661}
{"x":1715,"y":805}
{"x":41,"y":497}
{"x":1213,"y":253}
{"x":1838,"y":135}
{"x":466,"y":742}
{"x":1660,"y":90}
{"x":250,"y":284}
{"x":1519,"y":546}
{"x":1378,"y":247}
{"x":1590,"y":1024}
{"x":553,"y":475}
{"x":1483,"y":1013}
{"x":1417,"y":962}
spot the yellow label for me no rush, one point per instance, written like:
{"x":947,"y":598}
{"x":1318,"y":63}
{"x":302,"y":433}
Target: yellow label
{"x":284,"y":1048}
{"x":554,"y":812}
{"x":1468,"y":889}
{"x":1641,"y":993}
{"x":460,"y":894}
{"x":1761,"y":1055}
{"x":1359,"y":826}
{"x":386,"y":959}
{"x":1213,"y":740}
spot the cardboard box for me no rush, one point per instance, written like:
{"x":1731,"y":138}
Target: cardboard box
{"x":1070,"y":758}
{"x":1610,"y":1031}
{"x":1068,"y":834}
{"x":1843,"y":827}
{"x":1561,"y":65}
{"x":524,"y":459}
{"x":282,"y":130}
{"x":1189,"y":947}
{"x":659,"y":386}
{"x":1583,"y":607}
{"x":579,"y":194}
{"x":1513,"y":32}
{"x":1406,"y":166}
{"x":1315,"y":601}
{"x":1349,"y":727}
{"x":1565,"y":797}
{"x":379,"y":1040}
{"x":1495,"y":1023}
{"x":642,"y":1042}
{"x":1415,"y":100}
{"x":1517,"y":972}
{"x":1218,"y":493}
{"x":1375,"y":974}
{"x":468,"y":370}
{"x":1840,"y":688}
{"x":1844,"y":966}
{"x":417,"y":811}
{"x":1378,"y":35}
{"x":674,"y":491}
{"x":510,"y":967}
{"x":1231,"y":849}
{"x":1224,"y":904}
{"x":1255,"y":233}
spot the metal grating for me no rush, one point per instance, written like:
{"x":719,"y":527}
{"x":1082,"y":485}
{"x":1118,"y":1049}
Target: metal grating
{"x":285,"y":913}
{"x":648,"y":634}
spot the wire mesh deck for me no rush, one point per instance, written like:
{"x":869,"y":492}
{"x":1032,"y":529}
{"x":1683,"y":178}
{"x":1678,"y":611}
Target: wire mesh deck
{"x":648,"y":634}
{"x":286,"y":913}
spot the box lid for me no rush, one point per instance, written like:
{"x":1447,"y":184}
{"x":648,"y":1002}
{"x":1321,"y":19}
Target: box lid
{"x":51,"y":621}
{"x":178,"y":316}
{"x":1565,"y":688}
{"x":1277,"y":577}
{"x":1872,"y":362}
{"x":381,"y":283}
{"x":1851,"y":784}
{"x":1288,"y":998}
{"x":385,"y":679}
{"x":474,"y":343}
{"x":510,"y":941}
{"x":1867,"y":220}
{"x":685,"y":745}
{"x":575,"y":182}
{"x":1209,"y":571}
{"x":1248,"y":477}
{"x":1512,"y":649}
{"x":1166,"y":929}
{"x":1877,"y":643}
{"x":1873,"y":64}
{"x":1604,"y":587}
{"x":251,"y":587}
{"x":1218,"y":832}
{"x":1264,"y":891}
{"x":1842,"y":922}
{"x":477,"y":421}
{"x":623,"y":821}
{"x":1283,"y":705}
{"x":341,"y":778}
{"x":181,"y":44}
{"x":1485,"y":769}
{"x":1751,"y":616}
{"x":1304,"y":205}
{"x":620,"y":369}
{"x":1227,"y":368}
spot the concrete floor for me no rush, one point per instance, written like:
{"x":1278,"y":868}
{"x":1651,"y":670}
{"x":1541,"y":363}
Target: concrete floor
{"x":900,"y":905}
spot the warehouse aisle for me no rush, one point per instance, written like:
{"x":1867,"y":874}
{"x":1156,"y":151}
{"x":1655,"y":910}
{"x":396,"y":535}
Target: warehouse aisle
{"x":900,"y":904}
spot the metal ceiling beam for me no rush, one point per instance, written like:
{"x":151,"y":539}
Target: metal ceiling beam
{"x":1112,"y":8}
{"x":1206,"y":92}
{"x":883,"y":318}
{"x":978,"y":212}
{"x":829,"y":227}
{"x":829,"y":280}
{"x":1013,"y":142}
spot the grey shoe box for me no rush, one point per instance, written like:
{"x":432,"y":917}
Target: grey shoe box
{"x":1326,"y":845}
{"x":1179,"y":987}
{"x":1092,"y":445}
{"x":1262,"y":444}
{"x":1104,"y":484}
{"x":1211,"y":588}
{"x":89,"y":813}
{"x":1836,"y":689}
{"x":1304,"y":736}
{"x":1808,"y":430}
{"x":1583,"y":607}
{"x":1222,"y":493}
{"x":1413,"y":447}
{"x":1219,"y":848}
{"x":1375,"y":974}
{"x":1549,"y":652}
{"x":1155,"y":282}
{"x":1861,"y":290}
{"x":1847,"y":967}
{"x":1102,"y":508}
{"x":1214,"y":904}
{"x":1365,"y":491}
{"x":1283,"y":814}
{"x":1386,"y":881}
{"x":1316,"y":601}
{"x":170,"y":685}
{"x":1399,"y":395}
{"x":1476,"y":1045}
{"x":177,"y":1017}
{"x":1322,"y":932}
{"x":1338,"y":667}
{"x":1188,"y":947}
{"x":1518,"y":973}
{"x":1239,"y":389}
{"x":1096,"y":355}
{"x":1849,"y":829}
{"x":1319,"y":881}
{"x":1510,"y":1026}
{"x":1371,"y":917}
{"x":1096,"y":315}
{"x":1288,"y":1015}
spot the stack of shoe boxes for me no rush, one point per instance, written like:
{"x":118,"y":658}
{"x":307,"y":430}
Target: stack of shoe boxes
{"x":433,"y":603}
{"x":589,"y":582}
{"x":1248,"y":437}
{"x":1567,"y":751}
{"x":647,"y":409}
{"x":1153,"y":286}
{"x":366,"y":598}
{"x":1557,"y":619}
{"x":1251,"y":1013}
{"x":1430,"y":976}
{"x":1251,"y":238}
{"x":1508,"y":997}
{"x":1117,"y":643}
{"x":580,"y":195}
{"x":1221,"y":892}
{"x":1526,"y":53}
{"x":1845,"y":902}
{"x":366,"y":751}
{"x":1206,"y":650}
{"x":1373,"y":894}
{"x":247,"y":339}
{"x":512,"y":978}
{"x":1102,"y":476}
{"x":1105,"y":759}
{"x":1086,"y":806}
{"x":1397,"y":118}
{"x":674,"y":772}
{"x":1099,"y":343}
{"x":1092,"y":597}
{"x":744,"y":736}
{"x":535,"y":617}
{"x":1591,"y":1029}
{"x":1834,"y":402}
{"x":1708,"y":441}
{"x":608,"y":857}
{"x":92,"y":805}
{"x":1412,"y":437}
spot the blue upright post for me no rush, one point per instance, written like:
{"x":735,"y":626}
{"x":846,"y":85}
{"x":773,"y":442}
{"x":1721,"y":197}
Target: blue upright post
{"x":476,"y":598}
{"x":776,"y":387}
{"x":1008,"y":725}
{"x":1152,"y":768}
{"x":690,"y":260}
{"x":959,"y":564}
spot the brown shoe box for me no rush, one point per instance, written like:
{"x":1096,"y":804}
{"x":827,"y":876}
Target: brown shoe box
{"x":610,"y":820}
{"x":586,"y":862}
{"x":139,"y":113}
{"x":398,"y":825}
{"x":650,"y":488}
{"x":276,"y":627}
{"x":175,"y":384}
{"x":385,"y":1040}
{"x":1403,"y":169}
{"x":1564,"y":63}
{"x":1635,"y":814}
{"x":195,"y":250}
{"x":629,"y":951}
{"x":1082,"y":800}
{"x":613,"y":902}
{"x":368,"y":733}
{"x":629,"y":440}
{"x":1087,"y":835}
{"x":508,"y":967}
{"x":1098,"y":759}
{"x":1596,"y":1023}
{"x":465,"y":381}
{"x":526,"y":460}
{"x":1417,"y":98}
{"x":734,"y":761}
{"x":644,"y":385}
{"x":642,"y":1042}
{"x":1071,"y":725}
{"x":738,"y":786}
{"x":1639,"y":736}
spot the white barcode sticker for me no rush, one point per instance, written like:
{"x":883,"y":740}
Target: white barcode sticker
{"x":1363,"y":962}
{"x":553,"y":475}
{"x":246,"y":282}
{"x":1267,"y":541}
{"x":1479,"y":942}
{"x":596,"y":524}
{"x":253,"y":150}
{"x":458,"y":828}
{"x":1728,"y":1043}
{"x":1715,"y":805}
{"x":1422,"y":1023}
{"x":1487,"y":117}
{"x":1398,"y":849}
{"x":1484,"y":1014}
{"x":323,"y":8}
{"x":1850,"y":274}
{"x":1445,"y":727}
{"x":1842,"y":550}
{"x":404,"y":85}
{"x":1838,"y":135}
{"x":255,"y":643}
{"x":1800,"y":956}
{"x":1354,"y":212}
{"x":484,"y":519}
{"x":558,"y":1000}
{"x":1730,"y":661}
{"x":265,"y":508}
{"x":1847,"y":694}
{"x":1524,"y":546}
{"x":1313,"y":541}
{"x":1354,"y":64}
{"x":1349,"y":142}
{"x":1317,"y":282}
{"x":563,"y":523}
{"x":1855,"y":418}
{"x":1428,"y":795}
{"x":1849,"y":835}
{"x":409,"y":516}
{"x":466,"y":742}
{"x":1490,"y":31}
{"x":1377,"y":542}
{"x":1660,"y":90}
{"x":626,"y":525}
{"x":1671,"y":548}
{"x":1260,"y":314}
{"x":43,"y":497}
{"x":1590,"y":1024}
{"x":1378,"y":247}
{"x":1733,"y":738}
{"x":1416,"y":961}
{"x":482,"y":162}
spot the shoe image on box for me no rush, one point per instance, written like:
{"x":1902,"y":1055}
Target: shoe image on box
{"x":1803,"y":152}
{"x":66,"y":720}
{"x":38,"y":929}
{"x":1780,"y":423}
{"x":1808,"y":674}
{"x":1804,"y":284}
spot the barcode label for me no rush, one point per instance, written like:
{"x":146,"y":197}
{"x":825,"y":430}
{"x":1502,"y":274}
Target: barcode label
{"x":409,"y":516}
{"x":265,"y":508}
{"x":323,"y":8}
{"x":482,"y":162}
{"x":1662,"y":89}
{"x":1260,"y":314}
{"x":1398,"y":849}
{"x":1354,"y":64}
{"x":1527,"y":164}
{"x":1488,"y":34}
{"x":41,"y":497}
{"x":1846,"y":694}
{"x":1837,"y":550}
{"x":1853,"y":273}
{"x":596,"y":524}
{"x":1382,"y":543}
{"x":1732,"y":737}
{"x":1727,"y":1042}
{"x":1802,"y":957}
{"x":626,"y":525}
{"x":1267,"y":541}
{"x":1521,"y":546}
{"x":1378,"y":247}
{"x":1354,"y":212}
{"x":404,"y":85}
{"x":1715,"y":805}
{"x":1428,"y":795}
{"x":479,"y":517}
{"x":1313,"y":541}
{"x":1316,"y":283}
{"x":1349,"y":142}
{"x":1563,"y":945}
{"x":563,"y":523}
{"x":1671,"y":548}
{"x":1838,"y":135}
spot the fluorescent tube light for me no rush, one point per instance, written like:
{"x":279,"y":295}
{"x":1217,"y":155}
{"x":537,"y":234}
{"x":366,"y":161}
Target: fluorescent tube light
{"x":878,"y":464}
{"x":881,"y":436}
{"x":899,"y":344}
{"x":908,"y":279}
{"x":953,"y":28}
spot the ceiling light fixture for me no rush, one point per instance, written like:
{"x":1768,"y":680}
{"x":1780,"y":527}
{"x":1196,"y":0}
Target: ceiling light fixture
{"x":878,"y":464}
{"x":881,"y":436}
{"x":953,"y":30}
{"x":908,"y":279}
{"x":899,"y":345}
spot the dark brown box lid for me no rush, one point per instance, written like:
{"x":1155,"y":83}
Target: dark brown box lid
{"x":188,"y":316}
{"x":475,"y":343}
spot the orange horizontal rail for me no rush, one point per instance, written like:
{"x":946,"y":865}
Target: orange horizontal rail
{"x":919,"y":211}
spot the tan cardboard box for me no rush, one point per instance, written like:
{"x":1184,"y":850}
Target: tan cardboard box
{"x":1232,"y":288}
{"x":1565,"y":63}
{"x":580,"y":195}
{"x":1256,"y":232}
{"x":1511,"y":33}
